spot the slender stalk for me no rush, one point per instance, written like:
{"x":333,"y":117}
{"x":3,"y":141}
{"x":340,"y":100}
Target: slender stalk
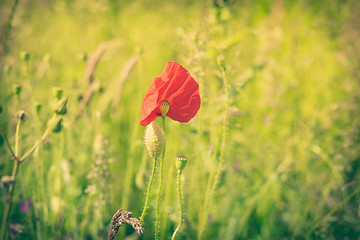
{"x":157,"y":223}
{"x":148,"y":192}
{"x":181,"y":207}
{"x":10,"y":193}
{"x":221,"y":160}
{"x":36,"y":145}
{"x":7,"y":144}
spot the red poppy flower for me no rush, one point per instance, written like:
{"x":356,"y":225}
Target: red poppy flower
{"x":177,"y":87}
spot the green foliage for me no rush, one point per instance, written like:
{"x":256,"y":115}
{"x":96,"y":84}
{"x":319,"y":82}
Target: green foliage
{"x":291,"y":160}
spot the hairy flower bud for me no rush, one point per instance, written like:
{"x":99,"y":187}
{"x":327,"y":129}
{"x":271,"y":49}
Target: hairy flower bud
{"x":154,"y":139}
{"x":180,"y":162}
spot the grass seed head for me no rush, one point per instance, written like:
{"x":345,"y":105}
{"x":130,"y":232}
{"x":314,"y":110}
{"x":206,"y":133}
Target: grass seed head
{"x":154,"y":139}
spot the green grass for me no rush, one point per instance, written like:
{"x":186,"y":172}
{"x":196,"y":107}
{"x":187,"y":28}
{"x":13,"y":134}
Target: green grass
{"x":291,"y":158}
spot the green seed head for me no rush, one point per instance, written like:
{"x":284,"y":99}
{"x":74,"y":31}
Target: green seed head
{"x":16,"y":89}
{"x":164,"y":107}
{"x":60,"y":106}
{"x":37,"y":106}
{"x":180,"y":162}
{"x":55,"y":123}
{"x":25,"y":55}
{"x":154,"y":139}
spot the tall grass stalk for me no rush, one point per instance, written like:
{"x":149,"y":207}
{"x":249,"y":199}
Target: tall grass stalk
{"x":208,"y":201}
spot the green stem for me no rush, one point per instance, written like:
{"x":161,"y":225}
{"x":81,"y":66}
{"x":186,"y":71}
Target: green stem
{"x":157,"y":223}
{"x":221,"y":161}
{"x":148,"y":192}
{"x":10,"y":193}
{"x":181,"y":207}
{"x":36,"y":145}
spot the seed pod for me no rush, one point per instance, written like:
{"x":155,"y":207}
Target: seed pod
{"x":180,"y":162}
{"x":154,"y":139}
{"x":164,"y":107}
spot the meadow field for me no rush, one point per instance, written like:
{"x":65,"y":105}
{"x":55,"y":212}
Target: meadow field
{"x":272,"y":153}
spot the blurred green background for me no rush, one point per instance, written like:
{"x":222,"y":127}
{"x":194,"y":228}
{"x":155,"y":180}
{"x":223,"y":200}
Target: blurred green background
{"x":292,"y":157}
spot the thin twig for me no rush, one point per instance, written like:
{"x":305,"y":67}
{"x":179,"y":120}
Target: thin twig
{"x":7,"y":144}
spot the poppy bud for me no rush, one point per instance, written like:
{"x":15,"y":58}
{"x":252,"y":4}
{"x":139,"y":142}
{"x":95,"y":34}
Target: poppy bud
{"x":57,"y":92}
{"x":16,"y":89}
{"x":180,"y":162}
{"x":25,"y":55}
{"x":154,"y":139}
{"x":164,"y":107}
{"x":221,"y":61}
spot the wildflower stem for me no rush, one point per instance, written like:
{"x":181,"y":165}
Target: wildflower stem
{"x":7,"y":144}
{"x":148,"y":191}
{"x":10,"y":193}
{"x":36,"y":145}
{"x":181,"y":207}
{"x":157,"y":223}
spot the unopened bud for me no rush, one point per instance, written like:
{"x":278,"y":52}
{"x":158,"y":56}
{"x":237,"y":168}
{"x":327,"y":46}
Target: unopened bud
{"x":55,"y":123}
{"x":60,"y":106}
{"x":16,"y":89}
{"x":154,"y":139}
{"x":57,"y":92}
{"x":38,"y":107}
{"x":7,"y":69}
{"x":221,"y":61}
{"x":164,"y":107}
{"x":25,"y":55}
{"x":180,"y":162}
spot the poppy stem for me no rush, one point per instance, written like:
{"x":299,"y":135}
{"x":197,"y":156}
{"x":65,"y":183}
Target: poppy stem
{"x":148,"y":191}
{"x":157,"y":223}
{"x":181,"y":206}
